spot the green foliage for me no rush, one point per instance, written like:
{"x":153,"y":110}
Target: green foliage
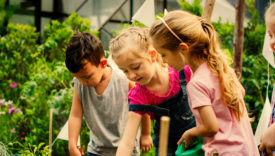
{"x":37,"y":76}
{"x":194,"y":8}
{"x":254,"y":32}
{"x":10,"y":116}
{"x":254,"y":80}
{"x":255,"y":76}
{"x":226,"y":34}
{"x":58,"y":35}
{"x":45,"y":79}
{"x":254,"y":39}
{"x":53,"y":80}
{"x":254,"y":14}
{"x":18,"y":50}
{"x":30,"y":149}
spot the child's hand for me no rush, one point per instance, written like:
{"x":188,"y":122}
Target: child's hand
{"x":188,"y":138}
{"x":74,"y":151}
{"x":146,"y":142}
{"x":268,"y":140}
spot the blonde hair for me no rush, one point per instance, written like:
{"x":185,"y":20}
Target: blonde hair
{"x":203,"y":44}
{"x":270,"y":11}
{"x":137,"y":38}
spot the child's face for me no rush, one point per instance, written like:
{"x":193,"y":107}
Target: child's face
{"x":175,"y":59}
{"x":90,"y":74}
{"x":137,"y":69}
{"x":270,"y":26}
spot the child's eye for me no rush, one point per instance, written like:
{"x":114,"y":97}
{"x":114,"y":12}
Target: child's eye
{"x":136,"y":68}
{"x":88,"y":77}
{"x":162,"y":55}
{"x":125,"y":71}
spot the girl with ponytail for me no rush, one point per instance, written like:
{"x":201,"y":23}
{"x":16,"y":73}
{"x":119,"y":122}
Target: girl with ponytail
{"x":214,"y":92}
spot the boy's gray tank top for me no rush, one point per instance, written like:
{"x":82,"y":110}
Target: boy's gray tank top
{"x":106,"y":115}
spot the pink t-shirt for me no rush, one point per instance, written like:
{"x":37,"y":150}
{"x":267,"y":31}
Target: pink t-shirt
{"x":141,"y":95}
{"x":233,"y":138}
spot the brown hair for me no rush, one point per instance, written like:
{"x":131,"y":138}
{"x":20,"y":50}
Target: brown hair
{"x":83,"y":46}
{"x":203,"y":44}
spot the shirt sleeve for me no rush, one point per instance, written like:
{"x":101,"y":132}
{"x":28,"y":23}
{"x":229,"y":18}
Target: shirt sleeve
{"x":136,"y":96}
{"x":199,"y":95}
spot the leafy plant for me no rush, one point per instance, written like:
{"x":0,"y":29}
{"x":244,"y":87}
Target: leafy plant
{"x":58,"y":34}
{"x":194,"y":8}
{"x":18,"y":50}
{"x":226,"y":34}
{"x":30,"y":150}
{"x":10,"y":116}
{"x":39,"y":79}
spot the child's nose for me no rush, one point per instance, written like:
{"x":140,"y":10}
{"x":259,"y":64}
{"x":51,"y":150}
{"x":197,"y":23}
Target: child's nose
{"x":164,"y":60}
{"x":131,"y":75}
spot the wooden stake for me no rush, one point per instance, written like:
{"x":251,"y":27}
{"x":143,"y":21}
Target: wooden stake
{"x":208,"y":9}
{"x":214,"y":154}
{"x":164,"y":133}
{"x":50,"y":132}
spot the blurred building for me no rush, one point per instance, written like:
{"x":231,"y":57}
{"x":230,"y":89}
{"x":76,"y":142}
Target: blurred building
{"x":107,"y":15}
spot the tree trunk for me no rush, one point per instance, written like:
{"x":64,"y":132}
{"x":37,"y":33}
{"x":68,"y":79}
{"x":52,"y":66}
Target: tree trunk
{"x":239,"y":37}
{"x":208,"y":9}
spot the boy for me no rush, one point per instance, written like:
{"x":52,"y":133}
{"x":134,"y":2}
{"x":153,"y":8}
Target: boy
{"x":100,"y":94}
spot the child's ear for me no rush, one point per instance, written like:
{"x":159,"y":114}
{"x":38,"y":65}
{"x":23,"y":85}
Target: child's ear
{"x":103,"y":62}
{"x":184,"y":48}
{"x":153,"y":54}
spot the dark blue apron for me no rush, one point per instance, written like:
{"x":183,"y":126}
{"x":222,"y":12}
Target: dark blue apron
{"x":177,"y":108}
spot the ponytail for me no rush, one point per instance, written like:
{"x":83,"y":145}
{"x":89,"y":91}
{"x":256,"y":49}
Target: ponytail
{"x":231,"y":88}
{"x":204,"y":45}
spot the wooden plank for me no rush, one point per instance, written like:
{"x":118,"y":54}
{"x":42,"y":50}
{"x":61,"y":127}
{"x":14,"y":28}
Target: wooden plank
{"x":239,"y":37}
{"x":50,"y":132}
{"x":208,"y":9}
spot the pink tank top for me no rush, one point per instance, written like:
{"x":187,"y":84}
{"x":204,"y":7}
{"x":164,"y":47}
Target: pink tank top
{"x":141,"y":95}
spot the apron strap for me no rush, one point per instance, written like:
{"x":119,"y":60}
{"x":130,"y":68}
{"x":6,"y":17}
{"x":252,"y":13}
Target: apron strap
{"x":149,"y":108}
{"x":182,"y":78}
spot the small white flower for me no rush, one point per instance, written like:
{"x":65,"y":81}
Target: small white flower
{"x":9,"y":102}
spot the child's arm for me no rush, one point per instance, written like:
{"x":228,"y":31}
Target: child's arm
{"x":127,"y":142}
{"x":268,"y":140}
{"x":146,"y":142}
{"x":208,"y":127}
{"x":75,"y":121}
